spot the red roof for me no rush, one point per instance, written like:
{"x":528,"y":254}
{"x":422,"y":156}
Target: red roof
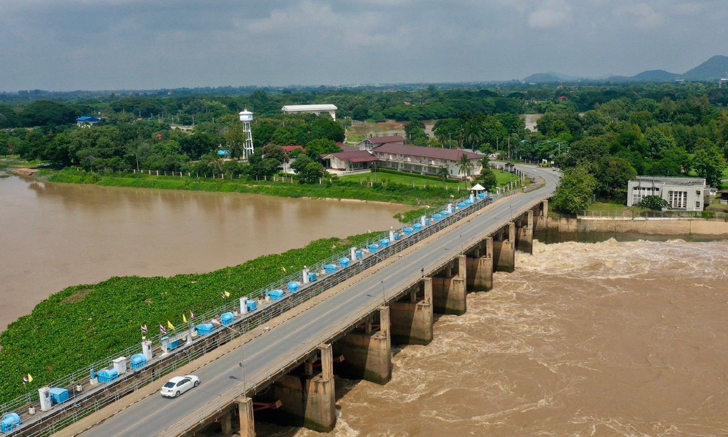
{"x":354,"y":156}
{"x":386,"y":140}
{"x":347,"y":148}
{"x":289,"y":149}
{"x":425,"y":152}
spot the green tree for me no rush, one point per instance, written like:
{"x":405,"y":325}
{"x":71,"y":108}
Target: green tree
{"x":260,"y":167}
{"x":709,"y":163}
{"x":235,"y":140}
{"x":443,"y":173}
{"x":612,"y":175}
{"x":324,"y":127}
{"x":271,"y":151}
{"x":319,"y":147}
{"x":488,"y":179}
{"x":308,"y":170}
{"x":465,"y":166}
{"x":576,"y":191}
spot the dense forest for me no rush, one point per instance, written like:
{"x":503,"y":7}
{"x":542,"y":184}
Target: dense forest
{"x":601,"y":135}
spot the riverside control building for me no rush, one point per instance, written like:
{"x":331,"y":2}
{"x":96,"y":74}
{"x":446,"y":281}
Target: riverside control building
{"x":682,"y":194}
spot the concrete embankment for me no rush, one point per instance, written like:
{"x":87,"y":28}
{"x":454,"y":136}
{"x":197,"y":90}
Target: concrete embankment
{"x":591,"y":230}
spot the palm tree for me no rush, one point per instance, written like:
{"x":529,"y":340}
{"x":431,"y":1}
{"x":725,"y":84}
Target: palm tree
{"x":466,"y":167}
{"x":443,"y":173}
{"x":484,"y":162}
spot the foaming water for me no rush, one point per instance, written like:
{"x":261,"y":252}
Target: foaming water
{"x":602,"y":339}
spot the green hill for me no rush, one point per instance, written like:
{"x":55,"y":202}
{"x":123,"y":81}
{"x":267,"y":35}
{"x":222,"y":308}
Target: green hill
{"x":712,"y":69}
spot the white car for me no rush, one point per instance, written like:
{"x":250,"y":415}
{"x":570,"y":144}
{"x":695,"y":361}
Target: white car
{"x":178,"y":385}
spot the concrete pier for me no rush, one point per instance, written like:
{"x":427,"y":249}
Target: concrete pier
{"x":227,"y":423}
{"x":247,"y":422}
{"x":412,"y":318}
{"x":368,"y":354}
{"x":480,"y":267}
{"x":524,"y":236}
{"x":504,"y":250}
{"x":309,"y":400}
{"x":449,"y":291}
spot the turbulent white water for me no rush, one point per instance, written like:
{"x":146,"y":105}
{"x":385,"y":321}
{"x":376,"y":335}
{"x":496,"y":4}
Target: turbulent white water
{"x":583,"y":340}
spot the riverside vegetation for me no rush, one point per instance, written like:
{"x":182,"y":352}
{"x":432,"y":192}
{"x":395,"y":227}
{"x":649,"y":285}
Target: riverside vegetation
{"x":86,"y":323}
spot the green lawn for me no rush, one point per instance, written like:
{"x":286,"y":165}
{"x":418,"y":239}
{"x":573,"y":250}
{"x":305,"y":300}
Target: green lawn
{"x":401,"y":178}
{"x":503,"y":178}
{"x":613,"y":208}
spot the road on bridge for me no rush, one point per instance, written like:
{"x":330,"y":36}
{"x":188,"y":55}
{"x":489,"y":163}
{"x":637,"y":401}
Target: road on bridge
{"x":155,"y":414}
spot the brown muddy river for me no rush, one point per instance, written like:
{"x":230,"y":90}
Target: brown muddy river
{"x":56,"y":235}
{"x":605,"y":339}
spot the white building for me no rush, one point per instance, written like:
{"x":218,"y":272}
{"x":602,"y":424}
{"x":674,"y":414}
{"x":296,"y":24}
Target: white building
{"x":683,"y":194}
{"x":311,"y":109}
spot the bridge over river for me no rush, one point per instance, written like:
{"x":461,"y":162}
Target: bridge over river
{"x":288,"y":363}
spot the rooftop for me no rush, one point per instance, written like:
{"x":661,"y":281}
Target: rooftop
{"x":425,"y":152}
{"x":688,"y":182}
{"x":309,"y":108}
{"x":386,"y":140}
{"x":353,"y":156}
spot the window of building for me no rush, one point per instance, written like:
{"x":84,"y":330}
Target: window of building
{"x":697,"y":205}
{"x":698,"y":193}
{"x":678,"y":199}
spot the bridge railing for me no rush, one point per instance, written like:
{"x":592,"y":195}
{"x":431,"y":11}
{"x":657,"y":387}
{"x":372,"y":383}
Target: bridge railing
{"x":80,"y":402}
{"x":630,"y":214}
{"x":296,"y":354}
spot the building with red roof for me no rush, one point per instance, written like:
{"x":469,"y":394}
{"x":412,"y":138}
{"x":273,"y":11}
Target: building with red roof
{"x":425,"y":160}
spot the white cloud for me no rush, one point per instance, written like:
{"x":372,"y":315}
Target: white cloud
{"x":642,"y":15}
{"x":551,"y":13}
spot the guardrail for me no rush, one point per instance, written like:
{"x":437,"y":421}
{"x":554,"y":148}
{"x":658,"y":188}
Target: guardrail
{"x":628,"y":214}
{"x":92,"y":398}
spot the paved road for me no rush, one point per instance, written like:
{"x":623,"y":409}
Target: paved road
{"x":155,"y":413}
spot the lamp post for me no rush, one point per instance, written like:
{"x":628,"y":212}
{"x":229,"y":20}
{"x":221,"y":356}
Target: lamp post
{"x":242,"y":356}
{"x":384,"y":297}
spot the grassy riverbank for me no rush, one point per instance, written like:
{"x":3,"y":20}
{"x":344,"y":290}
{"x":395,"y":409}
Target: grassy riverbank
{"x":86,"y":323}
{"x":383,"y":191}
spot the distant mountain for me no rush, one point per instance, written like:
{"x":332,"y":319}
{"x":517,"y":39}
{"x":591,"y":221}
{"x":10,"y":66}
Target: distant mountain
{"x":543,"y":78}
{"x":647,"y":76}
{"x":712,"y":69}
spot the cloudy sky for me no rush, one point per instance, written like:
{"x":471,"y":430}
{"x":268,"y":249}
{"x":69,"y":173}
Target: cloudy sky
{"x":141,"y":44}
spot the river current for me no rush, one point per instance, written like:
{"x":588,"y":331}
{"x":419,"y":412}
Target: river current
{"x":604,"y":339}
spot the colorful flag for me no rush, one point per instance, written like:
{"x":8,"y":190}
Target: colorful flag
{"x":284,"y":269}
{"x":170,"y":325}
{"x":144,"y":329}
{"x":226,"y":293}
{"x":223,"y":295}
{"x":192,"y":316}
{"x":30,"y":378}
{"x":184,"y":318}
{"x":162,"y":330}
{"x":25,"y":379}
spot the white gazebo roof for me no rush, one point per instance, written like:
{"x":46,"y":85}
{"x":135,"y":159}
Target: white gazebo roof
{"x":477,"y":187}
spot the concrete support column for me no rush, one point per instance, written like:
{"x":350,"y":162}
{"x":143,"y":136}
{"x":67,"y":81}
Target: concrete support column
{"x":367,"y":356}
{"x":449,"y":293}
{"x":543,"y":216}
{"x":227,"y":425}
{"x":524,"y":240}
{"x":247,"y":422}
{"x":480,"y":269}
{"x":504,"y":251}
{"x":309,"y":401}
{"x":412,"y":321}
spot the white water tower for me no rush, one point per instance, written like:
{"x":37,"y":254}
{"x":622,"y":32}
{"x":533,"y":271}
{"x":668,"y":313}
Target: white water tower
{"x":246,"y":117}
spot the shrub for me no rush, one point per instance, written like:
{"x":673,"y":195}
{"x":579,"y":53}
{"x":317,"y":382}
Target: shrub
{"x":655,"y":203}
